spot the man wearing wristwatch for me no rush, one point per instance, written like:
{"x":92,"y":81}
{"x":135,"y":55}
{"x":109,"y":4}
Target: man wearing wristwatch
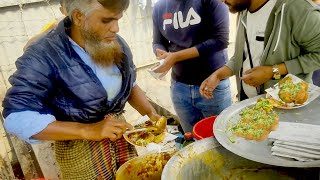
{"x":274,"y":38}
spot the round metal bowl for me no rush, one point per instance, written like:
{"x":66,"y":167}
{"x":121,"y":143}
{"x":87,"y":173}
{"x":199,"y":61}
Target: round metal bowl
{"x":147,"y":167}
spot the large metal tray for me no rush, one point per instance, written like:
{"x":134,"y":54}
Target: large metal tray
{"x":261,"y":151}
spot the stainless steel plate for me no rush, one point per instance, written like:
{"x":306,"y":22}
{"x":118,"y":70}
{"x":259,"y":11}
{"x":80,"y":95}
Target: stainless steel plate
{"x":261,"y":151}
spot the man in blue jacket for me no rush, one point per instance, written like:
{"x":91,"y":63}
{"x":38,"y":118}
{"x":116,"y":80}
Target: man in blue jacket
{"x":192,"y":37}
{"x":71,"y":87}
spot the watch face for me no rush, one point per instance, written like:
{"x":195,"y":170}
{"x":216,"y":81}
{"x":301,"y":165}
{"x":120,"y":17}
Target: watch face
{"x":274,"y":70}
{"x":276,"y":74}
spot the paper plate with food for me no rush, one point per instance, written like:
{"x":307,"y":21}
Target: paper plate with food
{"x":292,"y":92}
{"x":147,"y":131}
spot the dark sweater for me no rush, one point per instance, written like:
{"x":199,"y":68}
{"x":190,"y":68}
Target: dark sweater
{"x":181,"y":24}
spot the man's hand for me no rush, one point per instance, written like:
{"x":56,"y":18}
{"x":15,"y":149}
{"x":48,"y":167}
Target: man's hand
{"x":258,"y":75}
{"x":161,"y":54}
{"x":169,"y":60}
{"x":208,"y":85}
{"x":109,"y":128}
{"x":154,"y":116}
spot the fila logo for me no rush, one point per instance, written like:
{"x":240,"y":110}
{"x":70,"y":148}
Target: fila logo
{"x":177,"y":19}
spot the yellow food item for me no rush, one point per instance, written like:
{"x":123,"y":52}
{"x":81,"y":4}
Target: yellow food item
{"x":256,"y":122}
{"x":286,"y":80}
{"x":153,"y":166}
{"x":293,"y":93}
{"x":159,"y":138}
{"x":48,"y":26}
{"x":148,"y":167}
{"x":145,"y":137}
{"x":276,"y":103}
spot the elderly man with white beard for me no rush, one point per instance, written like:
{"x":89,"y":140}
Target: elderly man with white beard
{"x":71,"y":87}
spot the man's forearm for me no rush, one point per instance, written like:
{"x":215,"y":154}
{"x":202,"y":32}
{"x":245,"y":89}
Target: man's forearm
{"x":59,"y":131}
{"x":282,"y":69}
{"x":186,"y":54}
{"x":139,"y":101}
{"x":223,"y":73}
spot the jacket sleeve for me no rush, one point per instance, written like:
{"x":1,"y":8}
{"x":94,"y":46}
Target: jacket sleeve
{"x":25,"y":124}
{"x":231,"y":64}
{"x":31,"y":87}
{"x":159,"y":41}
{"x":232,"y":61}
{"x":307,"y":36}
{"x":218,"y":17}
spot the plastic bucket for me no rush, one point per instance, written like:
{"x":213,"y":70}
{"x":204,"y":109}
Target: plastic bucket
{"x":204,"y":128}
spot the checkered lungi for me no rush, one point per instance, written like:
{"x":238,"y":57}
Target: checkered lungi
{"x":85,"y":159}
